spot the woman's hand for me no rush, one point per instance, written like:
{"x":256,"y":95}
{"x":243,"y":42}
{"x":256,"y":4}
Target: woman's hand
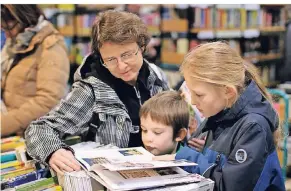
{"x":63,"y":160}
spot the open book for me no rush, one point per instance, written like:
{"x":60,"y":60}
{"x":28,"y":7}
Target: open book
{"x":133,"y":168}
{"x":127,"y":159}
{"x":144,"y":178}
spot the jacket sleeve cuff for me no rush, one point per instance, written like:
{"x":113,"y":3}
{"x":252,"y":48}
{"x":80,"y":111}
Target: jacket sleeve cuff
{"x":48,"y":157}
{"x":190,"y":154}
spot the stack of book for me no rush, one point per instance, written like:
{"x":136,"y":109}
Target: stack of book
{"x":20,"y":174}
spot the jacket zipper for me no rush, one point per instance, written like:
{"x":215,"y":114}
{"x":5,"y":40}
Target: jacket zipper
{"x":217,"y":159}
{"x":138,"y":95}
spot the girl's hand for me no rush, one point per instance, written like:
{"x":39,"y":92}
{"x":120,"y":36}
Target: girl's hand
{"x":197,"y":143}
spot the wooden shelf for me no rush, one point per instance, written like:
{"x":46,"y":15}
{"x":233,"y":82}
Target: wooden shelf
{"x":228,"y":33}
{"x":270,"y":56}
{"x":171,"y":57}
{"x":273,"y":29}
{"x":84,"y":35}
{"x":98,"y":6}
{"x":197,"y":30}
{"x":153,"y":29}
{"x":66,"y":31}
{"x":174,"y":25}
{"x":264,"y":57}
{"x":262,"y":29}
{"x":83,"y":32}
{"x":272,"y":5}
{"x":227,"y":29}
{"x":176,"y":58}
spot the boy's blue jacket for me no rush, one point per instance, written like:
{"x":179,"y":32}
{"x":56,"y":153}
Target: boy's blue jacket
{"x":239,"y":154}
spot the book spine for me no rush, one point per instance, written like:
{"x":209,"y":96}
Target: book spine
{"x":11,"y":164}
{"x":11,"y":145}
{"x":10,"y":139}
{"x":16,"y":173}
{"x":39,"y":185}
{"x":8,"y":158}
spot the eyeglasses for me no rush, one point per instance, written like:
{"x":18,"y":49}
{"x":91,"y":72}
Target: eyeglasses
{"x":9,"y":28}
{"x":126,"y":57}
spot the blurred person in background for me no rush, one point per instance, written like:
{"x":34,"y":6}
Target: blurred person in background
{"x":34,"y":67}
{"x":3,"y":38}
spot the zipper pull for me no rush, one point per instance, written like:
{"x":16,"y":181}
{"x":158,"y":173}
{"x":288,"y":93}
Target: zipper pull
{"x":217,"y":160}
{"x":138,"y":95}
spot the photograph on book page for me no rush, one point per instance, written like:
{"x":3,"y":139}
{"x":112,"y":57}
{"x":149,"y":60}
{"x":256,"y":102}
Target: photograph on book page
{"x":147,"y":178}
{"x":92,"y":157}
{"x":117,"y":165}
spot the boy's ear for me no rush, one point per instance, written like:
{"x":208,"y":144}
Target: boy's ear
{"x":181,"y":135}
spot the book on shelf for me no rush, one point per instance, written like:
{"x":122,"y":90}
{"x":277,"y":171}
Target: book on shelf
{"x":25,"y":178}
{"x":20,"y":174}
{"x":10,"y":143}
{"x":39,"y":185}
{"x":17,"y":172}
{"x":8,"y":156}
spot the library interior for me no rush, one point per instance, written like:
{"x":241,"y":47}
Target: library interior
{"x":54,"y":99}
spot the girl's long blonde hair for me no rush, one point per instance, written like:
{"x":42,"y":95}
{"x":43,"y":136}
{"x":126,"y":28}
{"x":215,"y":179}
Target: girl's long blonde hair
{"x":218,"y":63}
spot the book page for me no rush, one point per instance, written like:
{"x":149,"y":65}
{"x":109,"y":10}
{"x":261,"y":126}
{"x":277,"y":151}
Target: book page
{"x":127,"y":159}
{"x":121,"y":164}
{"x":138,"y":179}
{"x":93,"y":157}
{"x":134,"y":152}
{"x":203,"y":185}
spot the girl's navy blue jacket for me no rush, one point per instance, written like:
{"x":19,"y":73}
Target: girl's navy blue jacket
{"x":240,"y":153}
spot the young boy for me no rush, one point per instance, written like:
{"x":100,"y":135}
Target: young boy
{"x":164,"y":122}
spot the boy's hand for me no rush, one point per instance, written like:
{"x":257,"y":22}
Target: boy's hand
{"x":165,"y":157}
{"x":197,"y":143}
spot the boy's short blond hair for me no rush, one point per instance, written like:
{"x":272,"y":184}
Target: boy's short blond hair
{"x":168,"y":108}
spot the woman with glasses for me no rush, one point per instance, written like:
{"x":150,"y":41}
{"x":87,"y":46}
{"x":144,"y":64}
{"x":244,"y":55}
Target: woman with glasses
{"x":34,"y":67}
{"x":110,"y":87}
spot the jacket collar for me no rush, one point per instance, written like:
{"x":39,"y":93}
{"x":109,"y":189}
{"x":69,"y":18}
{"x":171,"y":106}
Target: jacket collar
{"x":100,"y":78}
{"x":250,"y":101}
{"x":91,"y":66}
{"x":39,"y":37}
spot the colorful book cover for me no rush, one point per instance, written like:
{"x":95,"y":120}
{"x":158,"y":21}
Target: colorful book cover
{"x":38,"y":185}
{"x":8,"y":156}
{"x":9,"y":146}
{"x":15,"y":173}
{"x":55,"y":188}
{"x":10,"y":139}
{"x":26,"y":178}
{"x":11,"y":164}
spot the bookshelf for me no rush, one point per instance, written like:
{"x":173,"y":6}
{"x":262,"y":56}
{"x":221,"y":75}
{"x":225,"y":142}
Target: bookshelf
{"x":255,"y":31}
